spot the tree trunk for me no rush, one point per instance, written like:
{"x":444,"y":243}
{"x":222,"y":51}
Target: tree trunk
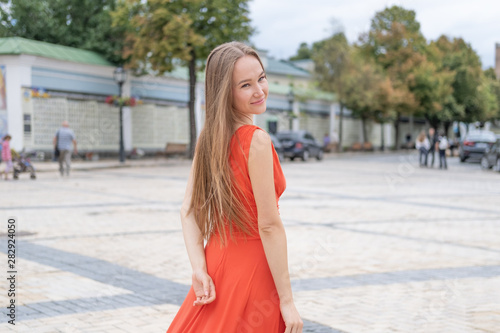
{"x":341,"y":116}
{"x":396,"y":130}
{"x":412,"y":123}
{"x":192,"y":96}
{"x":382,"y":134}
{"x":446,"y":126}
{"x":363,"y":127}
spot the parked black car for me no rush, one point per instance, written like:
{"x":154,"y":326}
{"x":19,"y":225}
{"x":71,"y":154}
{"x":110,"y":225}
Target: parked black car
{"x":300,"y":144}
{"x":278,"y":147}
{"x":491,"y":156}
{"x":474,"y":144}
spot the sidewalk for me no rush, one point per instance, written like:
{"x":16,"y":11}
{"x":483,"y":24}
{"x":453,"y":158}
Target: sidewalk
{"x":79,"y":165}
{"x":49,"y":166}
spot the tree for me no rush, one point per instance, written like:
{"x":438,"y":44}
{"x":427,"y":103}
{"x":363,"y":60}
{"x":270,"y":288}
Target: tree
{"x":368,"y":92}
{"x":162,"y":34}
{"x":396,"y":43}
{"x":304,"y":52}
{"x":488,"y":99}
{"x":469,"y":92}
{"x":76,"y":23}
{"x":431,"y":84}
{"x":331,"y":57}
{"x":490,"y":75}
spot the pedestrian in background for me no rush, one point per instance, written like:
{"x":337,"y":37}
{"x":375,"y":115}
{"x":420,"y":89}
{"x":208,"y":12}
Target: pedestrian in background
{"x":326,"y":142}
{"x":231,"y":203}
{"x":6,"y":155}
{"x":443,"y":145}
{"x":433,"y":139}
{"x":422,"y":145}
{"x":64,"y":139}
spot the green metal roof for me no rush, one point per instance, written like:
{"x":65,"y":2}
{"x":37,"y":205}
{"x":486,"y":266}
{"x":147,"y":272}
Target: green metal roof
{"x":18,"y":45}
{"x":285,"y":68}
{"x":306,"y":93}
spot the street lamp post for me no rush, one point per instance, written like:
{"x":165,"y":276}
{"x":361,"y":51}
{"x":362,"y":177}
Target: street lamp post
{"x":291,"y":98}
{"x":120,"y":76}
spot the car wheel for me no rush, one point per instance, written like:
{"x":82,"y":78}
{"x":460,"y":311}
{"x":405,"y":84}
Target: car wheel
{"x":292,"y":158}
{"x":498,"y":165}
{"x":461,"y":155}
{"x":305,"y":155}
{"x":485,"y":164}
{"x":319,"y":157}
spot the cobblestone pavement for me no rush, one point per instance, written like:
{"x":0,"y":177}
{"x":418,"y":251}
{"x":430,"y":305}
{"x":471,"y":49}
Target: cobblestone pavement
{"x":376,"y":244}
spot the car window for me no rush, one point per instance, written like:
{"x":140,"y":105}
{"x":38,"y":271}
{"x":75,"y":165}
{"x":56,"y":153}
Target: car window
{"x":287,"y":136}
{"x":282,"y":136}
{"x":485,"y":136}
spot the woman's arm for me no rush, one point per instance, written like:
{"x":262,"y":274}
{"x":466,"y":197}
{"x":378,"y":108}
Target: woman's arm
{"x":271,"y":230}
{"x":202,"y":283}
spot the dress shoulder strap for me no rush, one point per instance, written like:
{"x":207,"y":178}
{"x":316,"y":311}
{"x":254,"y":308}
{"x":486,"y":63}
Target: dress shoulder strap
{"x":243,"y":139}
{"x":246,"y":132}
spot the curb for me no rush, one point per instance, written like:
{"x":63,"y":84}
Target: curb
{"x":50,"y":166}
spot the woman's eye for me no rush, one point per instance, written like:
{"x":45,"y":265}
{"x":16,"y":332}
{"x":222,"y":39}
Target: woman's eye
{"x":245,"y":85}
{"x":262,"y":78}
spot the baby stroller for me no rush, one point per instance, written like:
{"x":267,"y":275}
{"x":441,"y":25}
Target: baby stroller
{"x":22,"y":163}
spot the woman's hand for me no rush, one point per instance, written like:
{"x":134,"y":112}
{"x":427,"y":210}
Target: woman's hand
{"x":203,"y":287}
{"x":291,"y":317}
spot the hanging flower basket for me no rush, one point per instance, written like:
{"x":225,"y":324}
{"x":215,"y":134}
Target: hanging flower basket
{"x":122,"y":101}
{"x":38,"y":93}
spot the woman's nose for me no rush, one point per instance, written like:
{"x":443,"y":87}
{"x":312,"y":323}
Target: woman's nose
{"x":259,"y":91}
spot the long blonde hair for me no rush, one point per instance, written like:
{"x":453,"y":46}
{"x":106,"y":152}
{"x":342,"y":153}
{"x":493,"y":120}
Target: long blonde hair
{"x":421,"y":137}
{"x":214,"y":200}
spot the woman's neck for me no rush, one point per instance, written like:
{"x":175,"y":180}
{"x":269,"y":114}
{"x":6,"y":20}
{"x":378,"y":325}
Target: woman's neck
{"x":243,"y":121}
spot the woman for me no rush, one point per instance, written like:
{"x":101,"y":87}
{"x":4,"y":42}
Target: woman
{"x":6,"y":155}
{"x":423,"y":146}
{"x":240,"y":280}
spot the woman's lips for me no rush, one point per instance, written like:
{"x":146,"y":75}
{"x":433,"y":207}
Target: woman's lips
{"x":260,"y":101}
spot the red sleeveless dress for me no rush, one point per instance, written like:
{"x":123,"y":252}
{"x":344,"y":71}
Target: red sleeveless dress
{"x":247,"y":300}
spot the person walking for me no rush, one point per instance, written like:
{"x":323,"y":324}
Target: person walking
{"x":443,"y":145}
{"x":433,"y":139}
{"x":326,"y":143}
{"x":240,"y":279}
{"x":64,"y":138}
{"x":6,"y":156}
{"x":422,"y":145}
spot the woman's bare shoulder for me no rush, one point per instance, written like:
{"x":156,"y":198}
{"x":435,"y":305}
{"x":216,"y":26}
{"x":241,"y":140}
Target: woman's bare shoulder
{"x":261,"y":141}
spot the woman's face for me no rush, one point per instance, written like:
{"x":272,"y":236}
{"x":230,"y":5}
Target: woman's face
{"x":250,"y":87}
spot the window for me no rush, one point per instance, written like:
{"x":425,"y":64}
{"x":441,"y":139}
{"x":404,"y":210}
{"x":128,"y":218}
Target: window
{"x":27,"y":123}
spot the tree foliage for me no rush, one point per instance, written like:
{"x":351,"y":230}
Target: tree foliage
{"x":163,"y":33}
{"x":84,"y":24}
{"x":368,"y":91}
{"x":494,"y":85}
{"x":304,"y":52}
{"x":471,"y":89}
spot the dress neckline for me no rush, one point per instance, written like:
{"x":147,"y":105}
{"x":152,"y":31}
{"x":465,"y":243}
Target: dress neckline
{"x":242,"y":127}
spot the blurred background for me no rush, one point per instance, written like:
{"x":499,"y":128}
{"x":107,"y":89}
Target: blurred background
{"x":355,"y":75}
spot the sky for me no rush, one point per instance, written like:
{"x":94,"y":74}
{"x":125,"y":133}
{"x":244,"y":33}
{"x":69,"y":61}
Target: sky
{"x":283,"y":24}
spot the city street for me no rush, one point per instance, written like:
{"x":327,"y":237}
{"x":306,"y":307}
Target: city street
{"x":376,"y":244}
